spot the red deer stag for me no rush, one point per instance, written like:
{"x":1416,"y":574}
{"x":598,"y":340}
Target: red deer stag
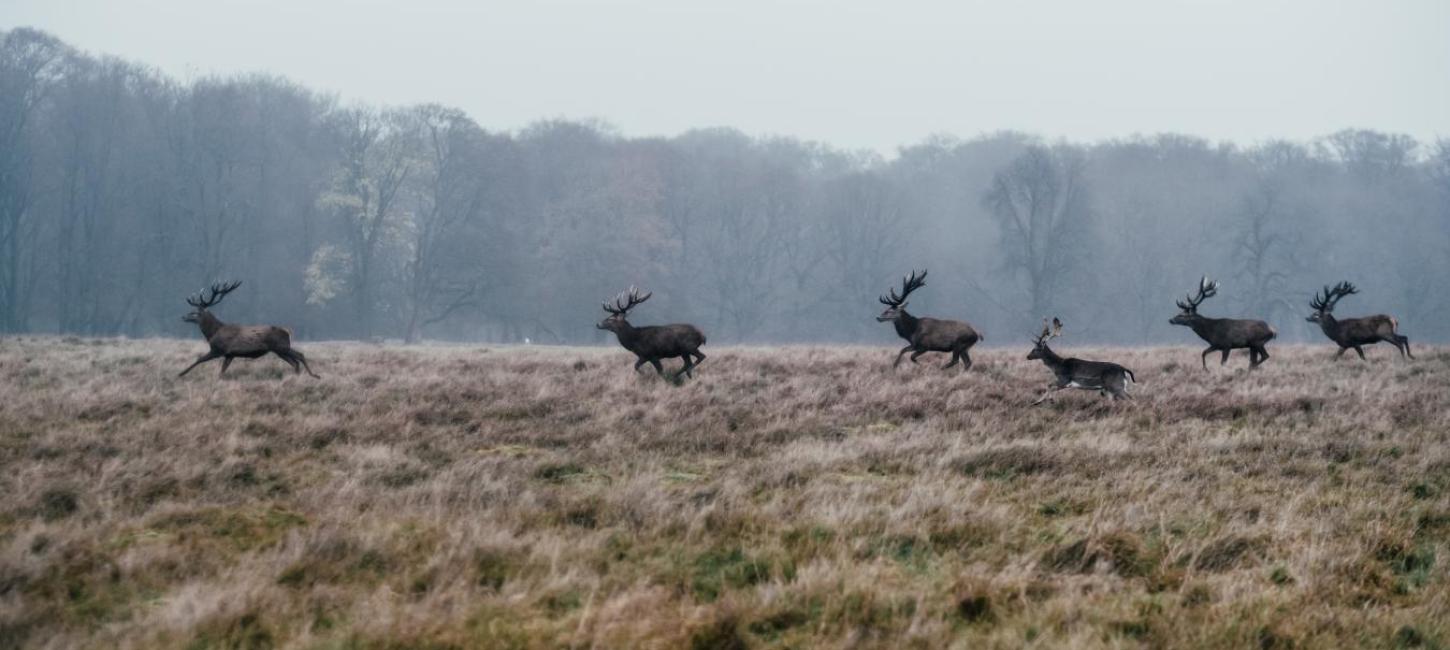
{"x":1224,"y":334}
{"x":1355,"y":332}
{"x":231,"y":341}
{"x":927,"y":334}
{"x":655,"y":342}
{"x":1102,"y":376}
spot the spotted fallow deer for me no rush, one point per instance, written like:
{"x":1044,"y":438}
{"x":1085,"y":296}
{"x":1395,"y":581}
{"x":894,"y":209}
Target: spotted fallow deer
{"x":231,"y":341}
{"x":1105,"y":377}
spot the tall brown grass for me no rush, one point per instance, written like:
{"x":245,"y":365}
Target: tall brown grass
{"x":786,"y":497}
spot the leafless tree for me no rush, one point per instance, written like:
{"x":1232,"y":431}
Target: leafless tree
{"x":1040,"y":202}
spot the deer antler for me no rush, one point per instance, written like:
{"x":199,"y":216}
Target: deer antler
{"x":1325,"y":303}
{"x":1050,"y":331}
{"x":626,"y":300}
{"x":908,"y":285}
{"x":211,"y":296}
{"x":1206,"y":289}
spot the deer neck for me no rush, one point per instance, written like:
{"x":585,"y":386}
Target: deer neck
{"x":627,"y":334}
{"x":1330,"y":325}
{"x":1050,"y":358}
{"x":1202,"y":326}
{"x":906,"y":324}
{"x":209,"y":324}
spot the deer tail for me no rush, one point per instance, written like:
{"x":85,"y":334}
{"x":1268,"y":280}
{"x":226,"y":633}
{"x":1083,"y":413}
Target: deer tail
{"x":1130,"y":375}
{"x":1272,"y":332}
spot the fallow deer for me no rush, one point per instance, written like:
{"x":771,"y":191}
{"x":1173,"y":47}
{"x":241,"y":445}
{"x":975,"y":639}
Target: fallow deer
{"x":1105,"y":377}
{"x":1355,"y":332}
{"x":927,"y":334}
{"x":231,"y":341}
{"x":1224,"y":334}
{"x":654,"y":342}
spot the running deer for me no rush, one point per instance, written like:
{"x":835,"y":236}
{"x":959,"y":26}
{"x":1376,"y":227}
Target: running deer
{"x":655,"y":342}
{"x":927,"y":334}
{"x":1355,"y":332}
{"x":1224,"y":334}
{"x":1105,"y":377}
{"x":231,"y":341}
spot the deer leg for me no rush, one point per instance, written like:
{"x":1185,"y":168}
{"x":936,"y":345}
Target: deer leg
{"x":1263,"y":354}
{"x":1360,"y":350}
{"x":199,"y":360}
{"x":903,"y":351}
{"x":658,"y":368}
{"x":1048,"y":394}
{"x":1204,"y":357}
{"x":1253,"y":357}
{"x":1340,"y":353}
{"x":226,"y":362}
{"x":639,"y":362}
{"x":916,"y":354}
{"x":1405,"y":345}
{"x":1224,"y":360}
{"x":296,"y":367}
{"x":966,"y":360}
{"x":685,"y":369}
{"x":297,"y":354}
{"x":954,"y":360}
{"x":699,"y":356}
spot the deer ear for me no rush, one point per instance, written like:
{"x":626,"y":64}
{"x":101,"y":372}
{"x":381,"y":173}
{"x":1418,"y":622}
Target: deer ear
{"x":1056,"y":326}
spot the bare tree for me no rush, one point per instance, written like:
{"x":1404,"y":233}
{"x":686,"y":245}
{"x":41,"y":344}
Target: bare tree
{"x":29,"y":68}
{"x":1040,"y":202}
{"x":376,"y":159}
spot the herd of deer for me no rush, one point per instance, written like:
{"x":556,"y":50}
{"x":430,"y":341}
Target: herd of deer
{"x":651,"y":344}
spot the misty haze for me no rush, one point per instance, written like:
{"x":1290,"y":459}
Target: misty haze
{"x":372,"y":325}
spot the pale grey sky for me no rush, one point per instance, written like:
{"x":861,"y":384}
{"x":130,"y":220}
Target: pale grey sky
{"x":854,"y":74}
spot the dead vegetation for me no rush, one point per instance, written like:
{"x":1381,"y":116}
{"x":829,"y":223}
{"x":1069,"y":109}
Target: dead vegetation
{"x":491,"y":497}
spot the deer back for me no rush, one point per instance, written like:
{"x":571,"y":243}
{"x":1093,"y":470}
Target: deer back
{"x":1365,"y":328}
{"x":664,"y":340}
{"x":250,"y":339}
{"x":1233,"y":332}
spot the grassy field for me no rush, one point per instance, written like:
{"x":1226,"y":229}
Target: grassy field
{"x":787,"y":497}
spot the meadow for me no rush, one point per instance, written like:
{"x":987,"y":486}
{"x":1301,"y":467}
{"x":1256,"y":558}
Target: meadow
{"x":790,"y":497}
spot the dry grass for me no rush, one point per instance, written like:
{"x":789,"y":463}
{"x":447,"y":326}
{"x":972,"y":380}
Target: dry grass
{"x":800,"y":497}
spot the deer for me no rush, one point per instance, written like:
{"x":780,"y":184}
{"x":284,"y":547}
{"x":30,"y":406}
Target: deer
{"x":1355,"y":332}
{"x":654,"y":342}
{"x":925,"y":335}
{"x":1224,"y":334}
{"x":231,"y":341}
{"x":1103,"y":376}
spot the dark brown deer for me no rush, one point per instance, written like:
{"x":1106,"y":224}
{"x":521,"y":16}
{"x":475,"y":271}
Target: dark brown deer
{"x":1224,"y":334}
{"x":925,"y":335}
{"x":1105,"y":377}
{"x":1355,"y":332}
{"x":231,"y":341}
{"x":655,"y":342}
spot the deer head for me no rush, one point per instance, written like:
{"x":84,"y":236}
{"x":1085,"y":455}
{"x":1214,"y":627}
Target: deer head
{"x":619,"y":311}
{"x":896,"y":304}
{"x":206,"y":299}
{"x":1323,"y":304}
{"x":1206,"y":289}
{"x":1039,"y":344}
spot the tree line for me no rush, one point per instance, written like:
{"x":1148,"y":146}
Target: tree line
{"x":123,"y":191}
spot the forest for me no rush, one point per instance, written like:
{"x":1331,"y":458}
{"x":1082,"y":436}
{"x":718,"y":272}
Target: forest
{"x":124,"y":190}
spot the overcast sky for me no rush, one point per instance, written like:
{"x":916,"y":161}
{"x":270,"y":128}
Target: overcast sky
{"x":855,"y":74}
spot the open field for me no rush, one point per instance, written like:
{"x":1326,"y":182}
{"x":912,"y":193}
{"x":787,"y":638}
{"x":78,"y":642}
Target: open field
{"x":789,"y":497}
